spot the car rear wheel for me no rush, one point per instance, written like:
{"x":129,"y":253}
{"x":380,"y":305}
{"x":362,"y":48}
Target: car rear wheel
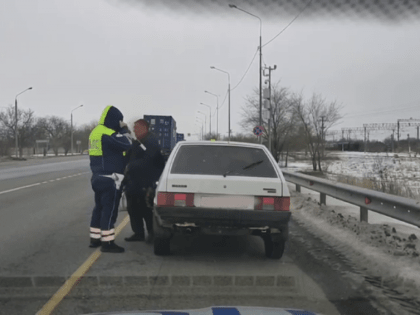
{"x":161,"y":246}
{"x":274,"y":247}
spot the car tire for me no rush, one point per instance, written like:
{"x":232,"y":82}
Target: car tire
{"x":274,"y":247}
{"x":162,"y":246}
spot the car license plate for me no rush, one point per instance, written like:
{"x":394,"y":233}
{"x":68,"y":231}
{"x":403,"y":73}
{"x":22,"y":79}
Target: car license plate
{"x":231,"y":202}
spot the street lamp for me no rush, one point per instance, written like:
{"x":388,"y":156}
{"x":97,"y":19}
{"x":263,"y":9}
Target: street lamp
{"x":16,"y":129}
{"x":217,"y":109}
{"x":209,"y":114}
{"x":201,"y":123}
{"x":205,"y":120}
{"x":260,"y":48}
{"x":228,"y":97}
{"x":71,"y":127}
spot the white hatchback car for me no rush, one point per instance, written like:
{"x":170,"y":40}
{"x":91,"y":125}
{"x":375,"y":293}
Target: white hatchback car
{"x":222,"y":188}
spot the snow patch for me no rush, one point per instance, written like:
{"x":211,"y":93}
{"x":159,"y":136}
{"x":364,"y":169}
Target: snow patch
{"x":386,"y":251}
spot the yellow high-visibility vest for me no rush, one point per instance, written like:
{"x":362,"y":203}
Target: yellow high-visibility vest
{"x":95,"y":139}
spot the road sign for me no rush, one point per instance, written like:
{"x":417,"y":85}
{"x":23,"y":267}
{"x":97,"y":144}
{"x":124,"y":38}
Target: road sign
{"x":258,"y":130}
{"x":78,"y":142}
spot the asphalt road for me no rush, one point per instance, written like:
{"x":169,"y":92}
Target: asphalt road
{"x":45,"y":209}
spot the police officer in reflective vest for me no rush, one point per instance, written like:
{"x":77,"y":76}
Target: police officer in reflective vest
{"x":107,"y":145}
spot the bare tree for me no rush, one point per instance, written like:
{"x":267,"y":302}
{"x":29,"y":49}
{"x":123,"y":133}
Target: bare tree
{"x":209,"y":136}
{"x":283,"y":118}
{"x":57,"y":130}
{"x":241,"y":137}
{"x":316,"y":116}
{"x":82,"y":134}
{"x":26,"y":127}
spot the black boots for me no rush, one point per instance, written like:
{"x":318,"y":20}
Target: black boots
{"x":111,"y":247}
{"x":107,"y":247}
{"x":94,"y":242}
{"x":135,"y":238}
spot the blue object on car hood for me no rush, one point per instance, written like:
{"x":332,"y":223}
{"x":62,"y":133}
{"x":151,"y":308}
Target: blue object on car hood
{"x":222,"y":310}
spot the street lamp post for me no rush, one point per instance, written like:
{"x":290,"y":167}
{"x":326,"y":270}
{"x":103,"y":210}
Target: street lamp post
{"x":205,"y":120}
{"x":16,"y":124}
{"x":228,"y":97}
{"x":260,"y":48}
{"x":217,"y":109}
{"x":201,"y":123}
{"x":71,"y":127}
{"x":209,"y":114}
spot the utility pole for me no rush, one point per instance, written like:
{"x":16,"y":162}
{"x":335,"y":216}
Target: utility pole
{"x":364,"y":146}
{"x":408,"y":140}
{"x":392,"y":141}
{"x":322,"y":134}
{"x":269,"y":103}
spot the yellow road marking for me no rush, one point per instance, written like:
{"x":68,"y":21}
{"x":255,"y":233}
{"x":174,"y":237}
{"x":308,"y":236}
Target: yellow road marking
{"x":76,"y":276}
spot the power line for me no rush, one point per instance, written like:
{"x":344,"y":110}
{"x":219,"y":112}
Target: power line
{"x":307,"y":5}
{"x":215,"y":111}
{"x":379,"y":111}
{"x":252,"y":61}
{"x":223,"y":103}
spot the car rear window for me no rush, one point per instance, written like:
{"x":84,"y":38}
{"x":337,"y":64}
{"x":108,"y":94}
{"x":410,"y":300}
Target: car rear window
{"x":220,"y":160}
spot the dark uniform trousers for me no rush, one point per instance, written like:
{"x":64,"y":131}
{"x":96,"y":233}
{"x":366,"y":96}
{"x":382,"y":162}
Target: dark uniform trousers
{"x":107,"y":199}
{"x":139,"y":208}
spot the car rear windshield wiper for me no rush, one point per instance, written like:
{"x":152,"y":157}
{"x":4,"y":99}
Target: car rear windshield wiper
{"x":252,"y":165}
{"x":245,"y":167}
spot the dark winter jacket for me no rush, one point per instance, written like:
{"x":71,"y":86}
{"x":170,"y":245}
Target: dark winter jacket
{"x":107,"y":143}
{"x":144,"y":166}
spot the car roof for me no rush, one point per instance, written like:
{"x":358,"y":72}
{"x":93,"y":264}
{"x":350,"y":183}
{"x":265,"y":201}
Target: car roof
{"x":224,"y":143}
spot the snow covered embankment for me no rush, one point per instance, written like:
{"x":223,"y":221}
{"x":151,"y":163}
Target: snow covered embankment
{"x":379,"y":250}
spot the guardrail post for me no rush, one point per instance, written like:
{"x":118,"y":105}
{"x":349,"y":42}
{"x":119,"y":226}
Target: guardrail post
{"x":363,"y":214}
{"x":297,"y":188}
{"x":322,"y":198}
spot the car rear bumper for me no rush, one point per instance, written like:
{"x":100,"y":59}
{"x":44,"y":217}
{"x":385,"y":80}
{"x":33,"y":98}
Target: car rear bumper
{"x":223,"y":217}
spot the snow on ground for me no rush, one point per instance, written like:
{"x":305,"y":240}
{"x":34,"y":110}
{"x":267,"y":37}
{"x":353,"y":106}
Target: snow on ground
{"x":384,"y":248}
{"x":380,"y":171}
{"x":375,"y":166}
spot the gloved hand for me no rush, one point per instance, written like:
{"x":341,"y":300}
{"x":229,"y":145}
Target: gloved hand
{"x":123,"y":124}
{"x":150,"y":195}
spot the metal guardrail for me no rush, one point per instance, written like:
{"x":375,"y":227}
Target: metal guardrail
{"x":400,"y":208}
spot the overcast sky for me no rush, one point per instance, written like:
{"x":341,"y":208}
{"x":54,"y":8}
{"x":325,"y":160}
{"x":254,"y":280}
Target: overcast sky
{"x":151,"y":60}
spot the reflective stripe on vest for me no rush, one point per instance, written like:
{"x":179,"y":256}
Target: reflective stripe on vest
{"x":95,"y":139}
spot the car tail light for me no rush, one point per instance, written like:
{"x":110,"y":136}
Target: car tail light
{"x":272,"y":203}
{"x":169,"y":199}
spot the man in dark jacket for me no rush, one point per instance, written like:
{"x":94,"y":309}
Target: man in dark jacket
{"x":107,"y":143}
{"x":145,"y":165}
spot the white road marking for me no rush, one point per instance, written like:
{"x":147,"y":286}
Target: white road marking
{"x":36,"y":184}
{"x":19,"y":188}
